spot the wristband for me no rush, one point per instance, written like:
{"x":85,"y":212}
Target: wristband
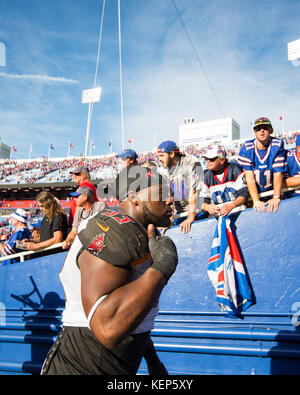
{"x":276,"y":197}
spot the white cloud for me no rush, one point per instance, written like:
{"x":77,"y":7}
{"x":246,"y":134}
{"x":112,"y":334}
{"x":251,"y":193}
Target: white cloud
{"x":43,"y":78}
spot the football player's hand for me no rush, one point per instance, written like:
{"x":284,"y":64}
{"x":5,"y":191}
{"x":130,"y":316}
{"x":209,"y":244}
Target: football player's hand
{"x":163,"y":252}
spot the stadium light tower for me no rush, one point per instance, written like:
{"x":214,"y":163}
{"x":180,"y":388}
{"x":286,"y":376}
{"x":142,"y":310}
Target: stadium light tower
{"x":2,"y":55}
{"x":294,"y":52}
{"x":90,"y":96}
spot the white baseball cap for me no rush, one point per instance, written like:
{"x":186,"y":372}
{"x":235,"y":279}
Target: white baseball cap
{"x":216,"y":151}
{"x":20,"y":215}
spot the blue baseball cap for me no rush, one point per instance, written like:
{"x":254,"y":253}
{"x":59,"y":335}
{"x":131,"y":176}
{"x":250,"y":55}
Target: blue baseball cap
{"x":128,"y":153}
{"x":298,"y":140}
{"x":167,"y":147}
{"x":83,"y":191}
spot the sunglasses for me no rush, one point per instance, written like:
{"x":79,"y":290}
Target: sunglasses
{"x":212,"y":159}
{"x":259,"y":127}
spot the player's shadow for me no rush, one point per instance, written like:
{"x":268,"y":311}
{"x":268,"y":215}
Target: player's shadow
{"x":42,"y":324}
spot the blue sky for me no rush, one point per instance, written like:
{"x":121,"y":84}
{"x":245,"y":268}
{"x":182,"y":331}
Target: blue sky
{"x":51,"y":52}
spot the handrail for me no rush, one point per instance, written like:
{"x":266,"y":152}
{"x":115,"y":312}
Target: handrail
{"x":263,"y":194}
{"x":21,"y":255}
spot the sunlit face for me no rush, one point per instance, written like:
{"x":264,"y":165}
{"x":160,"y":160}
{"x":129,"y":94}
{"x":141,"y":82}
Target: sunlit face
{"x":81,"y":199}
{"x":42,"y":208}
{"x":215,"y":164}
{"x":124,"y":163}
{"x":166,"y":159}
{"x":262,"y":133}
{"x":35,"y":233}
{"x":13,"y":222}
{"x":77,"y":178}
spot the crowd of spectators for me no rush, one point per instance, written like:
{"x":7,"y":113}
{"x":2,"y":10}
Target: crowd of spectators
{"x":102,"y":167}
{"x":44,"y":171}
{"x":212,"y":158}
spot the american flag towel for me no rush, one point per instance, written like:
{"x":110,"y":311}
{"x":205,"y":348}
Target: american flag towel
{"x":226,"y":271}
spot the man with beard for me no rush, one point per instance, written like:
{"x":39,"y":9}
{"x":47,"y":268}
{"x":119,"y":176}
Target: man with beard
{"x":184,"y":173}
{"x":113,"y":276}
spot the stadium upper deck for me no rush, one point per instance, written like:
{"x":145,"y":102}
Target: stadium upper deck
{"x":23,"y":179}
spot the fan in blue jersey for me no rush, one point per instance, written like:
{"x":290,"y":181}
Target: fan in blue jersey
{"x":224,"y":188}
{"x":293,"y":168}
{"x":19,"y":220}
{"x":263,"y":160}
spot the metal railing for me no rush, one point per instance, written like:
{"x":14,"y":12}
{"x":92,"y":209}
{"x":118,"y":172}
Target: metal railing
{"x":22,"y":255}
{"x":243,"y":207}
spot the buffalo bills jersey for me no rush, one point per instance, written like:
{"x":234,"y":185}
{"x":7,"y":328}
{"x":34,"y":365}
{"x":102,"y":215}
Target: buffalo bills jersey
{"x":263,"y":163}
{"x":225,"y":187}
{"x":183,"y":178}
{"x":293,"y":163}
{"x":293,"y":167}
{"x":11,"y":248}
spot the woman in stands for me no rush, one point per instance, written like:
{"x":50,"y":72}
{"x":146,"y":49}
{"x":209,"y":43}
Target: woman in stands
{"x":54,"y":226}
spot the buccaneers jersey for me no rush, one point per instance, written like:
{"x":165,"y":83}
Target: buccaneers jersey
{"x":116,"y":239}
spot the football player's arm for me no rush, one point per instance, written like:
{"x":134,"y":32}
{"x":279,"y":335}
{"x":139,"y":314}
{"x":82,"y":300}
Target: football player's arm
{"x":126,"y":304}
{"x":251,"y":184}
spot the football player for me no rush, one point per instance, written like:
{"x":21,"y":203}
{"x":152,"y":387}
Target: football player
{"x":112,"y":277}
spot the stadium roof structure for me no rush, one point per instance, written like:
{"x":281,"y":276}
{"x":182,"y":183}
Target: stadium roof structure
{"x":29,"y":191}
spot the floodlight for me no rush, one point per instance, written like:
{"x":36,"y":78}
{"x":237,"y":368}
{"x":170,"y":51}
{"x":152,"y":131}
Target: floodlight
{"x":91,"y":95}
{"x":2,"y":55}
{"x":294,"y":50}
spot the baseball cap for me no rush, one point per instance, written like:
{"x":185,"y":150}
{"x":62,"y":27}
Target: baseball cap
{"x":216,"y":151}
{"x":79,"y":169}
{"x":298,"y":140}
{"x":128,"y":153}
{"x":135,"y":179}
{"x":83,"y":191}
{"x":167,"y":147}
{"x":20,"y":215}
{"x":262,"y":121}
